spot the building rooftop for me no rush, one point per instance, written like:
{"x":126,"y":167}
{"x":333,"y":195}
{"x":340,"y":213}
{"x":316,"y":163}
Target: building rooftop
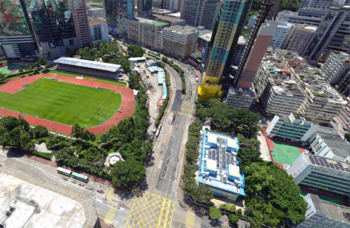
{"x":327,"y":163}
{"x":88,"y":64}
{"x":148,"y":21}
{"x":181,"y":30}
{"x":178,"y":14}
{"x":225,"y":161}
{"x":96,"y":21}
{"x":167,"y":18}
{"x":242,"y":40}
{"x":207,"y":36}
{"x":38,"y":203}
{"x":332,"y":211}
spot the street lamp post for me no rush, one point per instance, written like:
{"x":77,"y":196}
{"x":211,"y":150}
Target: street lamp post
{"x":53,"y":125}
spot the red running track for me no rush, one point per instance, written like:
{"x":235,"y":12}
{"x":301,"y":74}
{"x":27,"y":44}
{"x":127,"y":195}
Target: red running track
{"x":127,"y":106}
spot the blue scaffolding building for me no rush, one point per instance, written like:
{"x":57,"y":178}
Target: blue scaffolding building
{"x":219,"y":169}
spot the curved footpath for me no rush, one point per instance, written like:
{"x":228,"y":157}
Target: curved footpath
{"x":127,"y":106}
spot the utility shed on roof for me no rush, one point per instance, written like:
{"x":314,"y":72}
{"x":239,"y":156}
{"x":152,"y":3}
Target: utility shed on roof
{"x":211,"y":166}
{"x":212,"y":140}
{"x":233,"y":172}
{"x":231,"y":145}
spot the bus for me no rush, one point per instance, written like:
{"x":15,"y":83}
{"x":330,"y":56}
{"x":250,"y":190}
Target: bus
{"x":64,"y":171}
{"x":80,"y":177}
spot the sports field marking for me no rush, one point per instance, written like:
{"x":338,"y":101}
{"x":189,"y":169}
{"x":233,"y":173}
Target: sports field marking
{"x":63,"y":102}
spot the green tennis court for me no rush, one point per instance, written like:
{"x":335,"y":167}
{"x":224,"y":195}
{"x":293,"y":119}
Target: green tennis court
{"x":284,"y":153}
{"x":324,"y":198}
{"x":4,"y":70}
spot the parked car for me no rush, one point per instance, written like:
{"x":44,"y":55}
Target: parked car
{"x":65,"y":178}
{"x":81,"y":184}
{"x":100,"y":191}
{"x":74,"y":181}
{"x":88,"y":187}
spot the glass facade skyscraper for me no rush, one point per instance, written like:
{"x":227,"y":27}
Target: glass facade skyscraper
{"x":117,"y":14}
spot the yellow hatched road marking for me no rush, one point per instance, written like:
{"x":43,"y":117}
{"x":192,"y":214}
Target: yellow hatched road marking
{"x":111,"y":194}
{"x":190,"y":219}
{"x":110,"y":215}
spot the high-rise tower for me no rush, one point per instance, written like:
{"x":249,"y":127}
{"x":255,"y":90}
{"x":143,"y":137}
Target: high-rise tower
{"x":81,"y":23}
{"x":224,"y":39}
{"x":117,"y":14}
{"x":144,"y":8}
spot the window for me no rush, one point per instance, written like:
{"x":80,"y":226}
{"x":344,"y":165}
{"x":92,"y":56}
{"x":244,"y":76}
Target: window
{"x":71,"y":42}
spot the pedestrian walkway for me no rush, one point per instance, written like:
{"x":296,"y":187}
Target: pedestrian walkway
{"x":110,"y":215}
{"x":190,"y":219}
{"x":110,"y":195}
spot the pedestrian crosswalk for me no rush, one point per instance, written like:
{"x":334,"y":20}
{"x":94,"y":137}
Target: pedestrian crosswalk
{"x":190,"y":219}
{"x":110,"y":215}
{"x":110,"y":195}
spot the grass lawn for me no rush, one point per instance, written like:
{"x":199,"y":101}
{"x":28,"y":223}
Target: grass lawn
{"x":97,"y":79}
{"x":64,"y":102}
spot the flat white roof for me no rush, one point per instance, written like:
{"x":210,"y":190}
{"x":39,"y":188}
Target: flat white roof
{"x":232,"y":143}
{"x":88,"y":64}
{"x":233,"y":170}
{"x":211,"y":164}
{"x":212,"y":138}
{"x":137,"y":59}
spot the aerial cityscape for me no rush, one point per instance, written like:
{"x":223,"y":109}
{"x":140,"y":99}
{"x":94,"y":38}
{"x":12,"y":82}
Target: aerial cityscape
{"x":174,"y":113}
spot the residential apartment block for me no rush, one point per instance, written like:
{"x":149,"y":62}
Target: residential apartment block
{"x":328,"y":143}
{"x":293,"y":17}
{"x":282,"y":30}
{"x":300,"y":38}
{"x":320,"y":4}
{"x":324,"y":174}
{"x":240,"y":98}
{"x":321,"y":214}
{"x":146,"y":33}
{"x":239,"y":50}
{"x":97,"y":12}
{"x":292,"y":127}
{"x":179,"y":41}
{"x":336,"y":71}
{"x":344,"y":116}
{"x":98,"y":29}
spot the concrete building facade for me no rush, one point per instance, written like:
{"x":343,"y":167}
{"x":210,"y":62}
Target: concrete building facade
{"x":322,"y":214}
{"x":240,"y":98}
{"x":251,"y":21}
{"x":117,"y":14}
{"x":344,"y":116}
{"x":292,"y":127}
{"x":282,"y":30}
{"x":320,"y":4}
{"x":179,"y":41}
{"x":324,"y":174}
{"x":98,"y":29}
{"x":239,"y":50}
{"x":300,"y":38}
{"x":293,"y":17}
{"x":97,"y":12}
{"x":81,"y":23}
{"x":172,"y":21}
{"x":328,"y":143}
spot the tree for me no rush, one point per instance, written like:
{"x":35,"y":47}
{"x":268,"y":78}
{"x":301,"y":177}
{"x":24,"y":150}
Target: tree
{"x":134,"y":80}
{"x":42,"y":61}
{"x":239,"y":211}
{"x":228,"y":207}
{"x":248,"y":155}
{"x":9,"y":123}
{"x":127,"y":173}
{"x":347,"y":136}
{"x":135,"y":51}
{"x":214,"y":213}
{"x":36,"y":71}
{"x":34,"y":65}
{"x":272,"y":194}
{"x":233,"y":218}
{"x":68,"y":52}
{"x":20,"y":70}
{"x":202,"y":114}
{"x":40,"y":131}
{"x":28,"y":66}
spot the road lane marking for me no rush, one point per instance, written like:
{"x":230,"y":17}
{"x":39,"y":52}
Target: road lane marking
{"x":110,"y":215}
{"x":190,"y":219}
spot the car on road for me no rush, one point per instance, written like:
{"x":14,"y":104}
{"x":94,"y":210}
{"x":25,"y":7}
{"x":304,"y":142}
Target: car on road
{"x":74,"y":181}
{"x":100,"y":191}
{"x":88,"y":187}
{"x":81,"y":184}
{"x":65,"y":178}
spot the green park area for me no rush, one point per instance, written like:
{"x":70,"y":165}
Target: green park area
{"x":64,"y":102}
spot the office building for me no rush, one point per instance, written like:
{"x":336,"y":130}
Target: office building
{"x":31,"y":201}
{"x":300,"y":38}
{"x":251,"y":21}
{"x":173,"y":5}
{"x":291,"y":127}
{"x":322,"y":214}
{"x":171,"y":21}
{"x":239,"y":50}
{"x":144,"y":8}
{"x":282,"y":30}
{"x":219,"y":169}
{"x":179,"y":42}
{"x":293,"y":17}
{"x":258,"y":43}
{"x":240,"y":98}
{"x":224,"y":39}
{"x":336,"y":66}
{"x":17,"y":35}
{"x":328,"y":143}
{"x":320,"y":4}
{"x":146,"y":33}
{"x":98,"y":29}
{"x":117,"y":14}
{"x":331,"y":35}
{"x":201,"y":12}
{"x":344,"y":116}
{"x":97,"y":12}
{"x":323,"y":174}
{"x":87,"y":67}
{"x":203,"y":43}
{"x":81,"y":24}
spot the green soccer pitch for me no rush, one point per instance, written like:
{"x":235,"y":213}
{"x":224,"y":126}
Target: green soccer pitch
{"x":64,"y":102}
